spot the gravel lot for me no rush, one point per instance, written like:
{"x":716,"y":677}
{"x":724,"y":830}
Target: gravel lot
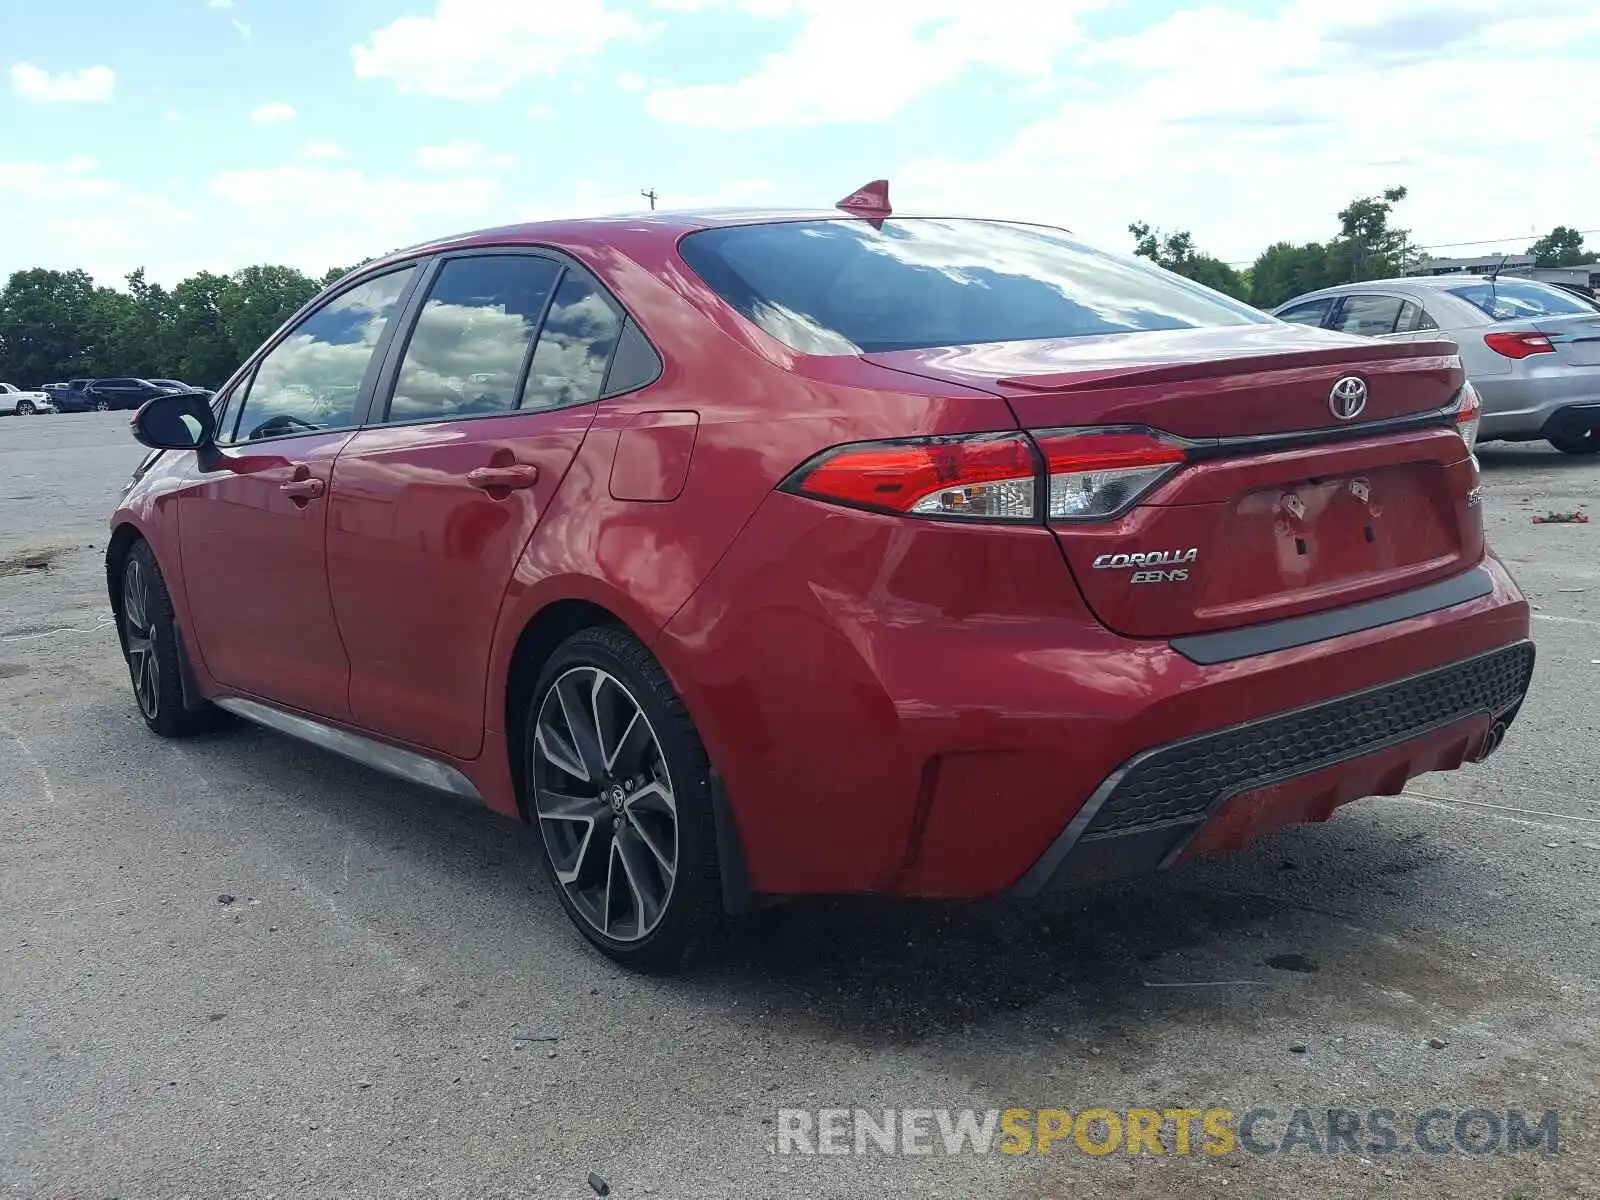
{"x":361,"y":1020}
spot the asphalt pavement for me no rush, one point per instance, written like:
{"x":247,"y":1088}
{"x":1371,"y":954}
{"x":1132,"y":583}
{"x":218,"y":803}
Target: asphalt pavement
{"x":238,"y":967}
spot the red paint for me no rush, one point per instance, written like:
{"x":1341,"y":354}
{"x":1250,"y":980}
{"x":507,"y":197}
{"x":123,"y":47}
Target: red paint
{"x":895,"y":704}
{"x":653,"y":456}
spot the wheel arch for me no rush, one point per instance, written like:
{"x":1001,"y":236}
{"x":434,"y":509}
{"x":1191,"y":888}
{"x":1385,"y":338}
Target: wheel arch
{"x":542,"y":632}
{"x":124,"y":537}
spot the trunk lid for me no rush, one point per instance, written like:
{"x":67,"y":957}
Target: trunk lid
{"x":1576,"y":339}
{"x":1244,"y":532}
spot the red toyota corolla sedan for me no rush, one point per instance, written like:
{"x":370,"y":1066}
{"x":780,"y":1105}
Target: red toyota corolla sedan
{"x":755,"y":554}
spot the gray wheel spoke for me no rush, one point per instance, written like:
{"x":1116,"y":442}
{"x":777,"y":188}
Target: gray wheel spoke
{"x":559,"y":752}
{"x":656,"y":796}
{"x":578,"y":711}
{"x":554,"y":806}
{"x":638,"y":829}
{"x":604,"y":803}
{"x":138,"y":643}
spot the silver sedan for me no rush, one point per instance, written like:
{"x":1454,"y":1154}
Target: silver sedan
{"x":1531,"y":350}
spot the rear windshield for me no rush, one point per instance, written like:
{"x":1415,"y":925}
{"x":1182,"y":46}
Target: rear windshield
{"x":845,"y":287}
{"x":1509,"y":299}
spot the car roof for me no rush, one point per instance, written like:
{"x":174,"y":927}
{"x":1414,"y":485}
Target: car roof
{"x":668,"y":224}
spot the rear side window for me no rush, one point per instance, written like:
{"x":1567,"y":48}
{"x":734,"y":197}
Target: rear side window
{"x":1512,"y":299}
{"x":574,"y":348}
{"x":1369,"y":316}
{"x":312,"y":379}
{"x":469,"y":349}
{"x":1312,"y":312}
{"x":1412,"y":318}
{"x":846,"y":287}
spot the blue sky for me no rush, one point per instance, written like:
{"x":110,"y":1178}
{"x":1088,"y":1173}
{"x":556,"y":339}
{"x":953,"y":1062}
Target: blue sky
{"x":180,"y":134}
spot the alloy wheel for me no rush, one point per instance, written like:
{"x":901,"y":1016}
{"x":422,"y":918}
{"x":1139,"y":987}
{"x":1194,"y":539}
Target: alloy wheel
{"x":605,"y":805}
{"x":25,"y":408}
{"x":140,"y":632}
{"x":102,"y":406}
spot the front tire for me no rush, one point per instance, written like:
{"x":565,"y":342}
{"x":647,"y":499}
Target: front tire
{"x":619,"y":786}
{"x":1587,"y":442}
{"x":150,"y":646}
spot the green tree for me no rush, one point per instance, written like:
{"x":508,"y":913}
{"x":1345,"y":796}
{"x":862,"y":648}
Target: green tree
{"x":205,"y":351}
{"x":258,"y":300}
{"x":1176,"y":253}
{"x":47,"y":325}
{"x":1367,"y":248}
{"x":1562,"y":247}
{"x":1285,"y":270}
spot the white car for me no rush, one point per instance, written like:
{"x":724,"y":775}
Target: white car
{"x":19,"y":403}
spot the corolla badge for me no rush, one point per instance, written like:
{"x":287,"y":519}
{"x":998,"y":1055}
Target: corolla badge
{"x":1348,"y":399}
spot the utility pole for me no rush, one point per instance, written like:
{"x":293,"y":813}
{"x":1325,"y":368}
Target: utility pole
{"x":650,"y":196}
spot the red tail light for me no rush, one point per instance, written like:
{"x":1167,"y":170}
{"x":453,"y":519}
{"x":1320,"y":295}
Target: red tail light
{"x":1518,"y":345}
{"x":991,"y":477}
{"x":1084,"y":475}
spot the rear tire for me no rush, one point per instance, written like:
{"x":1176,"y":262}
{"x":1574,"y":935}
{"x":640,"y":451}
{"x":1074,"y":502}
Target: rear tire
{"x":25,"y":408}
{"x":102,"y":406}
{"x":618,"y":786}
{"x":1587,"y":442}
{"x":150,"y":646}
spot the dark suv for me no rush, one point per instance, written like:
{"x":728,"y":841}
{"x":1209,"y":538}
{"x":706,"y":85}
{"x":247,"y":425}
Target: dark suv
{"x":126,"y":392}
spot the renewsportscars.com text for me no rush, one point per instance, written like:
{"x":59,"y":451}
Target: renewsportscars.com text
{"x":1161,"y":1131}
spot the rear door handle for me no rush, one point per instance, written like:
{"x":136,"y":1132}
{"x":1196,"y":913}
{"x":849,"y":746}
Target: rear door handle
{"x":515,"y":475}
{"x":303,"y":489}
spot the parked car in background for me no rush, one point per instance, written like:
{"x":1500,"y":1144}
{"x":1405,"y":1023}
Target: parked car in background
{"x":15,"y":401}
{"x":125,"y":392}
{"x":1531,"y":349}
{"x":755,"y":555}
{"x":72,"y":396}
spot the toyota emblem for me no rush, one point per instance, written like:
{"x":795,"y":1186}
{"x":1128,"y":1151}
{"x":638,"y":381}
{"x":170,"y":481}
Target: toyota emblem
{"x":1348,"y":398}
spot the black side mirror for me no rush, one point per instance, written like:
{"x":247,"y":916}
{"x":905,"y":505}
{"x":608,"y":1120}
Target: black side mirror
{"x":177,"y":421}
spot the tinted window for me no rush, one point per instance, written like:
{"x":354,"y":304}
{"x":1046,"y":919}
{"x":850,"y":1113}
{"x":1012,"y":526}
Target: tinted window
{"x":1310,"y":313}
{"x":1370,"y":316}
{"x":845,"y":287}
{"x":574,"y":349}
{"x":1412,"y":318}
{"x":312,"y":379}
{"x":1509,"y":299}
{"x":469,"y":349}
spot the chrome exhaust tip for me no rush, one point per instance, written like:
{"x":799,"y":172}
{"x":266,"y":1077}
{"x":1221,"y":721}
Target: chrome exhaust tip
{"x":1491,"y":741}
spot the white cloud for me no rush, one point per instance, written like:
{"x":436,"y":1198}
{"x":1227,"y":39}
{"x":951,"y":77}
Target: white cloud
{"x":855,"y":61}
{"x":630,"y":81}
{"x":35,"y":83}
{"x":327,"y":151}
{"x":541,"y":112}
{"x":241,"y":28}
{"x":480,"y":49}
{"x":219,"y":3}
{"x":273,"y":114}
{"x":459,"y":156}
{"x":1247,"y":129}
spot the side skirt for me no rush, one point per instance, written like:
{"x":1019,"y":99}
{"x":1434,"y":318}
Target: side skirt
{"x":408,"y":765}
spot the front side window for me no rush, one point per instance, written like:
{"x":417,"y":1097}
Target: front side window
{"x":848,"y":287}
{"x":469,"y":349}
{"x":1513,"y":299}
{"x":312,"y":379}
{"x":574,"y":348}
{"x":1369,"y":316}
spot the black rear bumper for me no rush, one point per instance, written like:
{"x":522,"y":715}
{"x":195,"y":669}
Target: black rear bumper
{"x":1149,"y":809}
